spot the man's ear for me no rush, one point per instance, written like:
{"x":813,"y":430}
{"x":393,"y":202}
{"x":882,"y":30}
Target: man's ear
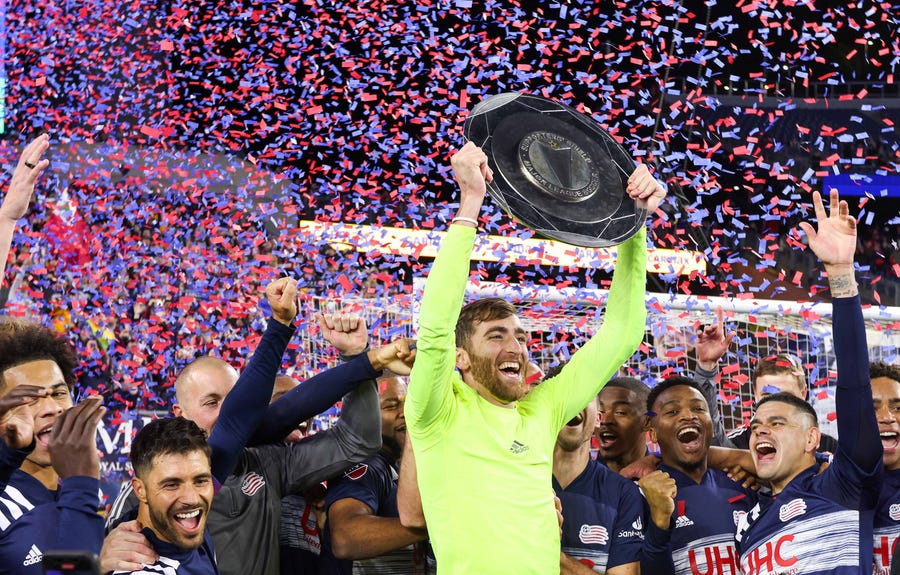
{"x":645,"y":425}
{"x":462,"y":359}
{"x":139,"y":490}
{"x":814,"y":436}
{"x":652,"y":430}
{"x":177,"y":411}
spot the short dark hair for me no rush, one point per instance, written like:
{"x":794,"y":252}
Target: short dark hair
{"x":478,"y":311}
{"x":175,"y":435}
{"x":667,"y":383}
{"x":640,"y":389}
{"x":792,"y":400}
{"x":23,"y":342}
{"x":781,"y":364}
{"x":880,"y":369}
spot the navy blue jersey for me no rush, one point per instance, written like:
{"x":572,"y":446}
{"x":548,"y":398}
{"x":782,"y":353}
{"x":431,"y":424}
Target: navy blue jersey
{"x":373,"y":482}
{"x":603,"y":524}
{"x":887,"y":522}
{"x":822,"y":522}
{"x":813,"y":526}
{"x":700,"y":538}
{"x":34,"y":519}
{"x":175,"y":560}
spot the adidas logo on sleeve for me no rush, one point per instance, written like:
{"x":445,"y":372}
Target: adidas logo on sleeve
{"x":34,"y":556}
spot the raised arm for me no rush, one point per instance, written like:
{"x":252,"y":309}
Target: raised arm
{"x":356,"y":436}
{"x":246,"y":404}
{"x":18,"y":195}
{"x":712,"y":343}
{"x":834,"y":242}
{"x":430,"y":384}
{"x":623,"y":323}
{"x":347,"y":332}
{"x":311,"y":398}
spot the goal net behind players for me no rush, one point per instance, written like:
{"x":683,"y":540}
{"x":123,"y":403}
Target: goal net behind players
{"x":561,"y":320}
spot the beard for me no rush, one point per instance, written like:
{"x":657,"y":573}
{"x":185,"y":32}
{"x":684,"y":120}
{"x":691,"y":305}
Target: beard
{"x":162,"y":524}
{"x":485,"y":373}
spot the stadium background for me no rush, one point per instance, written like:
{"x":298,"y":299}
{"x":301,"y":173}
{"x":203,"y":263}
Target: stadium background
{"x":193,"y":141}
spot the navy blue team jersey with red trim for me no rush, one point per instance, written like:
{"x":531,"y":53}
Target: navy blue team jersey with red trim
{"x":700,"y":539}
{"x":822,"y":523}
{"x":603,"y":512}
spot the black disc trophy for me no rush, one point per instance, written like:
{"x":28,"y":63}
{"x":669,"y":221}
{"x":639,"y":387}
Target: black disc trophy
{"x":556,"y":170}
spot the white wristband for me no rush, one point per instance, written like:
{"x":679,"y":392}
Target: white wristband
{"x":472,"y":221}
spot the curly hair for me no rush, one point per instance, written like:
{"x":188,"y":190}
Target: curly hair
{"x":667,"y":383}
{"x":878,"y":369}
{"x":23,"y":342}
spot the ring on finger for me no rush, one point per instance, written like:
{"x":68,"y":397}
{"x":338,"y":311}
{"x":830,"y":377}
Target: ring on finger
{"x":30,"y":165}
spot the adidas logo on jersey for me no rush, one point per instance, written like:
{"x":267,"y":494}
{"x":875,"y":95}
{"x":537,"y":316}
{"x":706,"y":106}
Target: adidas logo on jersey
{"x":518,"y":448}
{"x":683,"y":521}
{"x":34,"y":556}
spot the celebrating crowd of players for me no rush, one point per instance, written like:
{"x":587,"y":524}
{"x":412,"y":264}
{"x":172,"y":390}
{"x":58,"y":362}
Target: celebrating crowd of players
{"x":446,"y":457}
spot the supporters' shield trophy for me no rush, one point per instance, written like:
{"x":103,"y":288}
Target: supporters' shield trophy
{"x":556,"y":170}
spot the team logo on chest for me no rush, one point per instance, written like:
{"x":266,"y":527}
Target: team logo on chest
{"x":894,"y":511}
{"x":357,"y":471}
{"x":791,"y":509}
{"x":252,"y":483}
{"x":593,"y":534}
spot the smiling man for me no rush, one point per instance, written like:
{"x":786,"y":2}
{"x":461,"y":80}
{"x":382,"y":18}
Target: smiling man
{"x":174,"y":486}
{"x":692,"y":508}
{"x":49,"y":469}
{"x":817,"y":523}
{"x":483,"y":448}
{"x":621,"y":434}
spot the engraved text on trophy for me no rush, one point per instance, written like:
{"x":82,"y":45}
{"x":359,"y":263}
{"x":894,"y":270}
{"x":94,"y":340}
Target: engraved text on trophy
{"x":558,"y":166}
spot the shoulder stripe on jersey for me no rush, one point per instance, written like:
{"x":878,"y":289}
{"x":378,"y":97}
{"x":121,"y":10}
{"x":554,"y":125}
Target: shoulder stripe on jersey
{"x":16,"y":504}
{"x":116,"y":510}
{"x":17,"y":496}
{"x":14,"y":513}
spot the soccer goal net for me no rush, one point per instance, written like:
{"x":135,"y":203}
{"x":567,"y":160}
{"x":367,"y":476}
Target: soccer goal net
{"x":561,"y":320}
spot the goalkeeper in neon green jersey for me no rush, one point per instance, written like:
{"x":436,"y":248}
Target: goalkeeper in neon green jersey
{"x":483,"y":449}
